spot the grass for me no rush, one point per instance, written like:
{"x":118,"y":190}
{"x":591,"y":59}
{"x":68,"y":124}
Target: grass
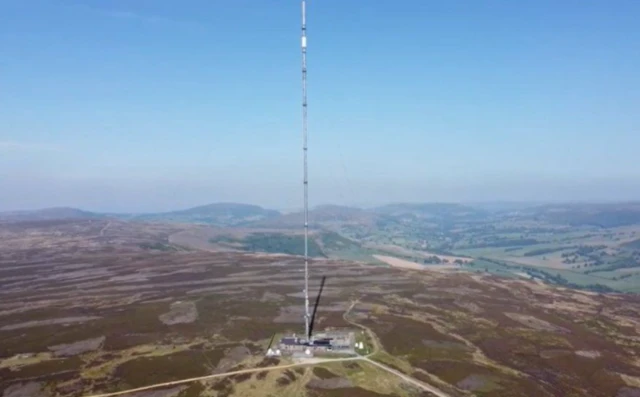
{"x":485,"y":266}
{"x":541,"y":339}
{"x":195,"y":389}
{"x":143,"y":371}
{"x":631,"y":288}
{"x":158,"y":246}
{"x":581,"y":278}
{"x":539,"y":251}
{"x":393,"y":362}
{"x":333,"y":241}
{"x":105,"y":369}
{"x":22,"y":360}
{"x":281,"y":243}
{"x":278,"y":243}
{"x":362,"y":336}
{"x":508,"y":269}
{"x":323,"y":373}
{"x":356,"y":254}
{"x":48,"y":368}
{"x":287,"y":383}
{"x":365,"y":376}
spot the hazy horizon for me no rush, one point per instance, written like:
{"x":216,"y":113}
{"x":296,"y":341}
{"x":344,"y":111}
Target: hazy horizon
{"x":158,"y":106}
{"x":124,"y":207}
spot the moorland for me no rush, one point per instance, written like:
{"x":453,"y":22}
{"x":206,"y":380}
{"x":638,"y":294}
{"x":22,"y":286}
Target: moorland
{"x":99,"y":304}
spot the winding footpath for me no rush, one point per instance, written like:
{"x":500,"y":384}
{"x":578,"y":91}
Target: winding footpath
{"x":104,"y":229}
{"x":317,"y":361}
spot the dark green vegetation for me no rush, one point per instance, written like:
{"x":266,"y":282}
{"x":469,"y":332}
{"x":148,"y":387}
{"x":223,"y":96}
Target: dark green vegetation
{"x":543,"y":251}
{"x":323,"y":244}
{"x":273,"y":243}
{"x":158,"y":246}
{"x":558,"y":279}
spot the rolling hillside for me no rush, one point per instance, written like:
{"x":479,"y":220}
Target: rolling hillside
{"x":322,"y":216}
{"x":218,"y":214}
{"x":47,"y":214}
{"x":432,"y":210}
{"x":600,"y":215}
{"x":322,"y":244}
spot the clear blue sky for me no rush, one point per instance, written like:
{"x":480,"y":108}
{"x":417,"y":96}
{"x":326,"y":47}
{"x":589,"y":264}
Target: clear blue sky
{"x":158,"y":104}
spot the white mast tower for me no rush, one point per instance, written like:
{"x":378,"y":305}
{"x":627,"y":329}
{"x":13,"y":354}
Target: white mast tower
{"x":307,"y":317}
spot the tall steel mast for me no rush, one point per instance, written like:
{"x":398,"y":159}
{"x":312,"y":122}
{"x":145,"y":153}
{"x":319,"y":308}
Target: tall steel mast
{"x":307,"y":317}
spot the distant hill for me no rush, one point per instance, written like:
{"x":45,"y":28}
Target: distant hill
{"x":47,"y":214}
{"x":602,"y":215}
{"x":321,"y":216}
{"x":219,"y":214}
{"x":503,"y":206}
{"x":357,"y":221}
{"x":431,"y":210}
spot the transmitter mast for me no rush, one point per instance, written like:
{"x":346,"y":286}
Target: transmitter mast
{"x":307,"y":317}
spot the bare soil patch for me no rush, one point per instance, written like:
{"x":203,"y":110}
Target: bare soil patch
{"x":628,"y":392}
{"x":473,"y":382}
{"x":405,"y":264}
{"x":76,"y":348}
{"x":180,"y":313}
{"x":29,"y":389}
{"x":588,"y":353}
{"x":271,"y":297}
{"x":423,"y":254}
{"x":536,"y":323}
{"x":400,"y":263}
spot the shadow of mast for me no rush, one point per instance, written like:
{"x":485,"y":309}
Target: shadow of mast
{"x":315,"y":307}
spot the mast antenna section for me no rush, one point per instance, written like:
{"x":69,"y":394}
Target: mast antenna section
{"x":307,"y":317}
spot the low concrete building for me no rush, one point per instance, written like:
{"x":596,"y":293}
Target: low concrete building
{"x":340,"y":341}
